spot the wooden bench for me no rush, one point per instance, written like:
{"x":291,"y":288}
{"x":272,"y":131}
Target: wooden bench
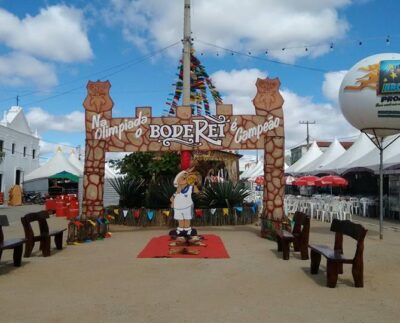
{"x":44,"y":235}
{"x":335,"y":258}
{"x":299,"y":236}
{"x":15,"y":244}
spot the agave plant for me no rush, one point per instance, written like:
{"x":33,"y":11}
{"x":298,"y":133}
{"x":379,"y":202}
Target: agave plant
{"x":130,"y":191}
{"x":224,"y":194}
{"x":159,"y":193}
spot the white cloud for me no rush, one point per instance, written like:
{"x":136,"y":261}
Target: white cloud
{"x":57,"y":33}
{"x":44,"y":121}
{"x":331,"y":85}
{"x":254,"y":25}
{"x":239,"y":87}
{"x":330,"y":122}
{"x":18,"y":69}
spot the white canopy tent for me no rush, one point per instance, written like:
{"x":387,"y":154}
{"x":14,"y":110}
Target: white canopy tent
{"x":334,"y":151}
{"x":371,"y":160}
{"x":57,"y":164}
{"x":393,"y":161}
{"x":249,"y":172}
{"x":312,"y":154}
{"x":362,"y":146}
{"x":73,"y":159}
{"x":256,"y":170}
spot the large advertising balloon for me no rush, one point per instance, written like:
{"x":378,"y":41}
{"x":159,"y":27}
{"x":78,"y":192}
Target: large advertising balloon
{"x":369,"y":95}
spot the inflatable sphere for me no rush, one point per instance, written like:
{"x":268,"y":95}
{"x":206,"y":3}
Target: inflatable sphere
{"x":369,"y":95}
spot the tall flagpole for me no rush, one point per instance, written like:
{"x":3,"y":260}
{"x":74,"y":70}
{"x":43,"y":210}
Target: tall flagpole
{"x":186,"y":154}
{"x":186,"y":54}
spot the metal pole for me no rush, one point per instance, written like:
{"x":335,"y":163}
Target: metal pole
{"x":308,"y":133}
{"x":381,"y":193}
{"x":185,"y":154}
{"x":186,"y":54}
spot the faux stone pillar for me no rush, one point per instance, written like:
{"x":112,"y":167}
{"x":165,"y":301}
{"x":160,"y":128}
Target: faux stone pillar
{"x":268,"y":102}
{"x":97,"y":104}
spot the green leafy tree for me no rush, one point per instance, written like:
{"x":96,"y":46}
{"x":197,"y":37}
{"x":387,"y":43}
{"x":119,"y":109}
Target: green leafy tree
{"x":146,"y":165}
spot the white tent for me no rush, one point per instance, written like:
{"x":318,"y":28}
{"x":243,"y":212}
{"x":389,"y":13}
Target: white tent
{"x":57,"y":164}
{"x":259,"y":169}
{"x":248,"y":172}
{"x":334,"y":151}
{"x":312,"y":154}
{"x":73,"y":159}
{"x":393,"y":161}
{"x":260,"y":172}
{"x":362,"y":146}
{"x":371,"y":160}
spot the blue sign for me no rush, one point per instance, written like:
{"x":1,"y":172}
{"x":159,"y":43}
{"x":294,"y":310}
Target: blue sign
{"x":389,"y":77}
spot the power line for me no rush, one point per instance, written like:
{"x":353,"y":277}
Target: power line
{"x":248,"y":54}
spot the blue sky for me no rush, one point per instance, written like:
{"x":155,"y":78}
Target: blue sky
{"x":50,"y":49}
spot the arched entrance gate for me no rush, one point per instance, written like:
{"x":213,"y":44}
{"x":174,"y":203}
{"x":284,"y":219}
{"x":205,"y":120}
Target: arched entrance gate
{"x":264,"y":130}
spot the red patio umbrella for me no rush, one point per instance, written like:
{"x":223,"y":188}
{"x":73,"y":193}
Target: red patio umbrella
{"x":306,"y":181}
{"x":289,"y":180}
{"x":259,"y":180}
{"x":331,"y":180}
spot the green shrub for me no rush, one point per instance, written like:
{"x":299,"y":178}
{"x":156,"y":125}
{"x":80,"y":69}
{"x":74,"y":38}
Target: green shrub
{"x":130,"y":191}
{"x":159,"y":193}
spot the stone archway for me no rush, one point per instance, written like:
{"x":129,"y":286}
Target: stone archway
{"x":143,"y":132}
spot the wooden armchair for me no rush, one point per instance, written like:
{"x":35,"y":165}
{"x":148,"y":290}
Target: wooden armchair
{"x":44,"y":235}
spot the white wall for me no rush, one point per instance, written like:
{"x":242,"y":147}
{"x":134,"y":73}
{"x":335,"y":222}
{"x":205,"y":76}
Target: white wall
{"x":12,"y":162}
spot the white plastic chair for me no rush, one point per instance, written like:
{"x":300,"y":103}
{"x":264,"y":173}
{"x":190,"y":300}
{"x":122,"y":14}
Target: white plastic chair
{"x":334,"y":210}
{"x":346,"y":210}
{"x":324,"y":212}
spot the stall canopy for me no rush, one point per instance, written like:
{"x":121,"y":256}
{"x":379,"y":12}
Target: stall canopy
{"x":334,"y":151}
{"x":312,"y":154}
{"x":57,"y":164}
{"x":66,"y":175}
{"x":362,"y":146}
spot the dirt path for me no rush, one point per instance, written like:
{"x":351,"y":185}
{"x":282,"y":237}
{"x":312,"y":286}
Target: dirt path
{"x":103,"y":281}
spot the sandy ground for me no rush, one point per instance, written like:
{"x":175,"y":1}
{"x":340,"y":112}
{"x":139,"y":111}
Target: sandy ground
{"x":103,"y":281}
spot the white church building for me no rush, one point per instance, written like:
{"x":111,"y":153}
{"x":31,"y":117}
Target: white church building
{"x":19,"y":149}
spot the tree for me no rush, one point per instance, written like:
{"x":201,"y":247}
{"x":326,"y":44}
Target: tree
{"x":146,"y":165}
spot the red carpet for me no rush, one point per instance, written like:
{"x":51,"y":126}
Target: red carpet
{"x":159,"y":248}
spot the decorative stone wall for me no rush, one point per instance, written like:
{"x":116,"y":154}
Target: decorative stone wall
{"x":264,"y":130}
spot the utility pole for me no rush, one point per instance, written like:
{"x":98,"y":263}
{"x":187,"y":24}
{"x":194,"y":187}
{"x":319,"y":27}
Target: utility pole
{"x":17,"y":100}
{"x":186,"y":54}
{"x":186,"y":154}
{"x":308,"y":133}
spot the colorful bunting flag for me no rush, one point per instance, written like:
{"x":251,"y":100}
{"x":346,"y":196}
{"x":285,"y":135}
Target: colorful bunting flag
{"x":239,"y":209}
{"x":136,"y":213}
{"x":200,"y":80}
{"x":199,"y":212}
{"x":150,"y":214}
